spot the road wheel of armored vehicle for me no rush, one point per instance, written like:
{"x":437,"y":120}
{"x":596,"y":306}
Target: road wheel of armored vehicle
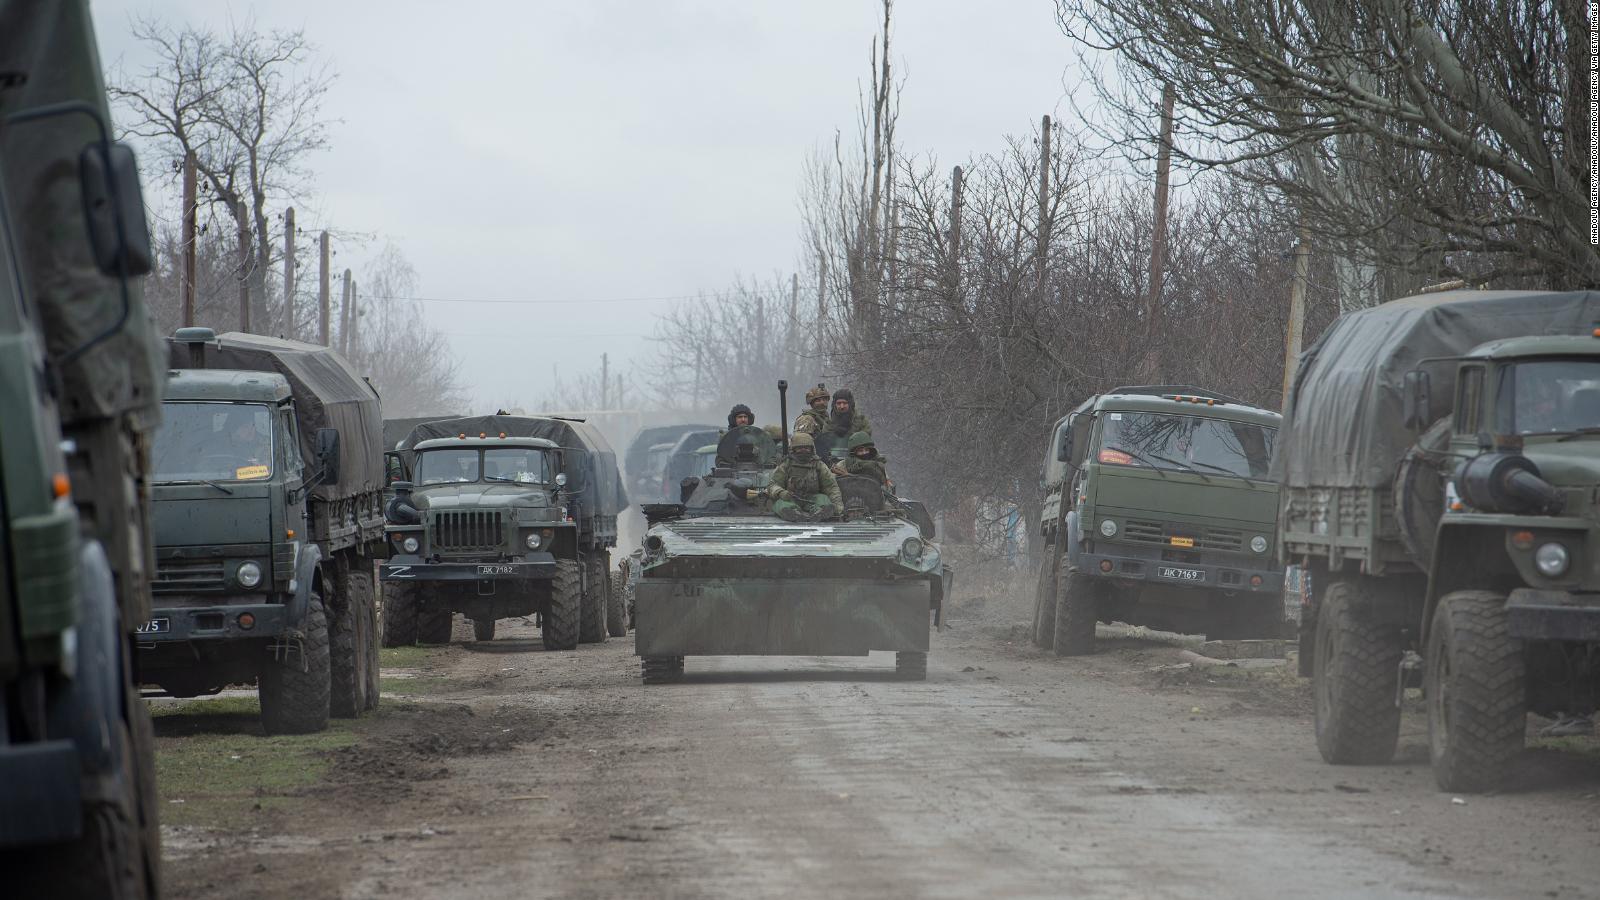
{"x":434,"y":624}
{"x":1044,"y":600}
{"x":661,"y":669}
{"x":616,"y":606}
{"x":592,"y":623}
{"x":351,"y":652}
{"x":295,"y":680}
{"x":1354,"y":679}
{"x":911,"y":665}
{"x":1475,"y":686}
{"x":399,"y":614}
{"x":1076,"y":599}
{"x":483,"y":629}
{"x":566,"y":607}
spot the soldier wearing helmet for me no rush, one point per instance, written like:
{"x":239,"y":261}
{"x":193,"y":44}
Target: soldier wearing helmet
{"x":864,"y":460}
{"x":813,"y":419}
{"x":802,"y":487}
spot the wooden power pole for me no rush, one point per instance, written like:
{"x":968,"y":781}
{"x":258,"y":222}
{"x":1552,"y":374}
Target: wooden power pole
{"x":324,"y":293}
{"x":344,"y":315}
{"x":190,"y":188}
{"x":355,"y":317}
{"x":287,"y":330}
{"x":242,"y":216}
{"x":1043,"y":236}
{"x":605,"y":380}
{"x":1158,"y":240}
{"x":1295,"y":335}
{"x":955,"y":234}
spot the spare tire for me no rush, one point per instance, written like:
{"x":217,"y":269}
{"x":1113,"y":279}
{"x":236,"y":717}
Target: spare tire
{"x":1419,"y":490}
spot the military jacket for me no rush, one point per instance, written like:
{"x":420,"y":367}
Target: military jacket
{"x":811,"y":422}
{"x":805,"y":480}
{"x":858,"y":422}
{"x":869,"y":468}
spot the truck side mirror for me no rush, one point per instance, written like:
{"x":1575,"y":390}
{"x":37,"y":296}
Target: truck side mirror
{"x":1417,"y":400}
{"x":393,"y":469}
{"x":113,"y":209}
{"x":1064,"y":452}
{"x":328,"y":454}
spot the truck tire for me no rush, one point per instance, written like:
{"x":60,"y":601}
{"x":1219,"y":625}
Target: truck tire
{"x":399,"y":614}
{"x":911,"y":665}
{"x":661,"y":669}
{"x":616,"y":606}
{"x":295,"y":685}
{"x":1353,"y":680}
{"x":434,"y":623}
{"x":592,"y":623}
{"x":352,"y":649}
{"x":1476,"y":692}
{"x":483,"y":630}
{"x":1076,"y":597}
{"x":566,"y":606}
{"x":1044,"y":600}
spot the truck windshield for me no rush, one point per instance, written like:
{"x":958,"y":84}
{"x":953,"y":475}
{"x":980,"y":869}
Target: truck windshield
{"x":520,"y":465}
{"x":447,"y":466}
{"x":1189,"y":443}
{"x":515,"y":465}
{"x":1549,"y":396}
{"x":213,"y":442}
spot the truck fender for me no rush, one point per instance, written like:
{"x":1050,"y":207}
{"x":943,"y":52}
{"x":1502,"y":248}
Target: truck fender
{"x":305,"y":577}
{"x":1069,"y":531}
{"x":90,"y":713}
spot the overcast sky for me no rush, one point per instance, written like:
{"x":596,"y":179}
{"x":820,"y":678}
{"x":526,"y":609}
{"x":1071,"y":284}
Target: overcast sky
{"x":598,"y":149}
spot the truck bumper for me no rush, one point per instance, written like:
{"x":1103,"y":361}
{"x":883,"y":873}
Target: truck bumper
{"x":42,"y":800}
{"x":535,"y":567}
{"x":214,"y":623}
{"x":1211,"y":576}
{"x":779,"y":617}
{"x":1536,"y":615}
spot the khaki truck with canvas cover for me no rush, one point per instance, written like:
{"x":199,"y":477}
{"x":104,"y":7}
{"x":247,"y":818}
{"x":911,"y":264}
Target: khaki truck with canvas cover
{"x":268,"y":517}
{"x":80,"y":391}
{"x":1158,"y":512}
{"x":1441,"y":467}
{"x":500,"y":516}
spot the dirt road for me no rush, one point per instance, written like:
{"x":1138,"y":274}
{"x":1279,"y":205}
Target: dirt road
{"x":503,"y":771}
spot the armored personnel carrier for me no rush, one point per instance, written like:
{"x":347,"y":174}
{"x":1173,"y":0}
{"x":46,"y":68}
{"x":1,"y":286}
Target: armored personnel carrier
{"x":721,"y":575}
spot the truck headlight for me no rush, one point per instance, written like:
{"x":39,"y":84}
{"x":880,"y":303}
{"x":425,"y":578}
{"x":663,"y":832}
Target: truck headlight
{"x":532,"y":540}
{"x":410,"y":544}
{"x":1551,"y":559}
{"x":248,"y":574}
{"x":1258,"y":543}
{"x":1108,"y":528}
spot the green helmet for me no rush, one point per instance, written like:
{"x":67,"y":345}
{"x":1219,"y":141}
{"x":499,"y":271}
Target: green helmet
{"x":860,"y":439}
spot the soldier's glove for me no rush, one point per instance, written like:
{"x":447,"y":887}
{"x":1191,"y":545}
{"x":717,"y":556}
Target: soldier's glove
{"x":785,"y":494}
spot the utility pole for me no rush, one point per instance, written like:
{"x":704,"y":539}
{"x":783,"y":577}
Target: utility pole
{"x":822,"y":304}
{"x":288,"y":273}
{"x":1297,"y":313}
{"x":1158,"y":239}
{"x":190,"y":188}
{"x":355,"y":317}
{"x":242,"y":216}
{"x":344,"y":314}
{"x":1043,"y":235}
{"x":605,"y":380}
{"x":955,"y":234}
{"x":324,"y":295}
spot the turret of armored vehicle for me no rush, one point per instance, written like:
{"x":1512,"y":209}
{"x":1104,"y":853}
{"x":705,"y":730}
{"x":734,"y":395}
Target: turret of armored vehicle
{"x":502,"y":516}
{"x":721,"y":575}
{"x":268,"y":518}
{"x":1440,"y":462}
{"x":1158,"y":511}
{"x":80,"y":390}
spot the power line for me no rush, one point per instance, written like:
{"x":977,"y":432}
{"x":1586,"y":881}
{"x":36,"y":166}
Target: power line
{"x":543,"y":301}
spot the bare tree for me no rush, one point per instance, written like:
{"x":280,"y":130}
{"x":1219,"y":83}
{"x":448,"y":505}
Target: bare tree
{"x":408,"y":361}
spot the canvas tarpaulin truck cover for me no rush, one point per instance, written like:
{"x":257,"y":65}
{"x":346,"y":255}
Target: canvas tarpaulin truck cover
{"x":1345,"y":425}
{"x":328,"y":393}
{"x":593,"y":471}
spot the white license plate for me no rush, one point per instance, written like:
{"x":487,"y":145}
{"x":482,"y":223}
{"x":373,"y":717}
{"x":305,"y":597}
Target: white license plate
{"x":497,"y":570}
{"x":1183,"y":574}
{"x":155,"y":626}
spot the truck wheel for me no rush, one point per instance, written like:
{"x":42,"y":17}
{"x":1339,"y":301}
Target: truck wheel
{"x":1044,"y":601}
{"x":911,"y":665}
{"x":1075,"y":613}
{"x":352,"y":649}
{"x":399,"y":614}
{"x":566,"y":602}
{"x":483,"y":630}
{"x":592,"y":623}
{"x":616,"y":606}
{"x":661,"y":669}
{"x":1353,"y":680}
{"x":295,"y":685}
{"x":434,"y":624}
{"x":1476,"y":694}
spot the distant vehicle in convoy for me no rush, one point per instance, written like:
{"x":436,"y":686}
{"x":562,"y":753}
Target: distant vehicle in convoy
{"x":268,"y":517}
{"x":721,"y":575}
{"x":1440,"y":463}
{"x":687,"y":458}
{"x":645,"y":468}
{"x":1159,"y":511}
{"x":500,"y":516}
{"x":81,"y":373}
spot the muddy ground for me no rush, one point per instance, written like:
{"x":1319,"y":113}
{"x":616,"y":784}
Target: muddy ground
{"x":501,"y":770}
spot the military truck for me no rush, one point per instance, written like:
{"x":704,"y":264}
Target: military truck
{"x":1158,"y":512}
{"x":268,"y":516}
{"x":80,"y":390}
{"x":502,"y":516}
{"x":644,"y":467}
{"x":721,"y":575}
{"x":1440,"y":463}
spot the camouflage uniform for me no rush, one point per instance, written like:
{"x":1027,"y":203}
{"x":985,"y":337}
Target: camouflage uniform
{"x":812,"y":420}
{"x":804,"y":489}
{"x":874,"y":466}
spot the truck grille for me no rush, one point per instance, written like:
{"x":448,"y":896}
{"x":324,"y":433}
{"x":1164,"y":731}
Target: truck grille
{"x":177,"y":576}
{"x":1225,"y":540}
{"x":467,"y":530}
